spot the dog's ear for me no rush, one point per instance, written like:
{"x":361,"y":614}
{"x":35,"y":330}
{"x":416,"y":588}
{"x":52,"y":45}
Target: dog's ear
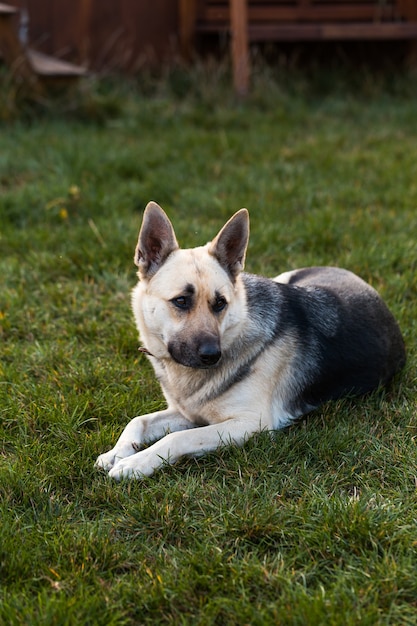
{"x":229,"y":247}
{"x":156,"y":241}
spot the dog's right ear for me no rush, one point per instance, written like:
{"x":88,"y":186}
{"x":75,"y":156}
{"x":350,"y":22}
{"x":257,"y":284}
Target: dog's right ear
{"x":156,"y":241}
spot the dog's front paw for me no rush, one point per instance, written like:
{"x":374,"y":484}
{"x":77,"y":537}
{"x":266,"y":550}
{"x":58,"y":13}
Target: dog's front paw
{"x":111,"y":458}
{"x":105,"y":461}
{"x":138,"y":466}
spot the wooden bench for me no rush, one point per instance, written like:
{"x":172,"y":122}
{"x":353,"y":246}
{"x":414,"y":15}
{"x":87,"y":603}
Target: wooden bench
{"x":293,"y":20}
{"x":36,"y":69}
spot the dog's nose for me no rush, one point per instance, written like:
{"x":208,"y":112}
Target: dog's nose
{"x":209,"y":353}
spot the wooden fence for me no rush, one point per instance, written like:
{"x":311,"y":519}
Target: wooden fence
{"x":105,"y":34}
{"x":127,"y":34}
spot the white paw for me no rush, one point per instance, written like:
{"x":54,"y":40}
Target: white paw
{"x":105,"y":461}
{"x":111,"y":458}
{"x":137,"y":466}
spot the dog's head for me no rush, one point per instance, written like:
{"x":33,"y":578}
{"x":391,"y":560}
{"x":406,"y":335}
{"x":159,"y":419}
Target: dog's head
{"x":189,"y":303}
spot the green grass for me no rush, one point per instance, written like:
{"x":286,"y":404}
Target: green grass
{"x":312,"y":525}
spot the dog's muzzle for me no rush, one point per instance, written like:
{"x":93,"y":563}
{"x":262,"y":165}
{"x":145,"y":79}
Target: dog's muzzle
{"x":203,"y":352}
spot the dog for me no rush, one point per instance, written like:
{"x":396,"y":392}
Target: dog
{"x":237,"y":353}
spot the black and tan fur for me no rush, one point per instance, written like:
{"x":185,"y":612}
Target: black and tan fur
{"x":237,"y":353}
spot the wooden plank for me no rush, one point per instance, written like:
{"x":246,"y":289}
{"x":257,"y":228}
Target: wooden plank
{"x":83,"y":27}
{"x":7,"y":9}
{"x":187,"y":12}
{"x":50,"y":67}
{"x":252,"y":3}
{"x":347,"y":31}
{"x":370,"y":31}
{"x":294,"y":13}
{"x":240,"y":51}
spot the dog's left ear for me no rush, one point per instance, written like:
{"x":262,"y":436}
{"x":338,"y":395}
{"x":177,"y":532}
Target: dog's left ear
{"x":229,"y":247}
{"x":156,"y":241}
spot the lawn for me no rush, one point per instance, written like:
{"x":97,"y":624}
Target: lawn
{"x":315,"y":524}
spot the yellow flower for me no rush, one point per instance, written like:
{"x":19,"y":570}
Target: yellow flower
{"x":63,"y":213}
{"x":74,"y":192}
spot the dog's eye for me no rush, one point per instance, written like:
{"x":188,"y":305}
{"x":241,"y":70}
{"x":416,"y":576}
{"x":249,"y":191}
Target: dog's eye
{"x":219,"y":304}
{"x":182,"y":302}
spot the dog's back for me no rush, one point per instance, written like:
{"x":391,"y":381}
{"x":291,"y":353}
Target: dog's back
{"x":351,"y":341}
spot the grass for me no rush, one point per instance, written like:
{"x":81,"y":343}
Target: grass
{"x":312,"y":525}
